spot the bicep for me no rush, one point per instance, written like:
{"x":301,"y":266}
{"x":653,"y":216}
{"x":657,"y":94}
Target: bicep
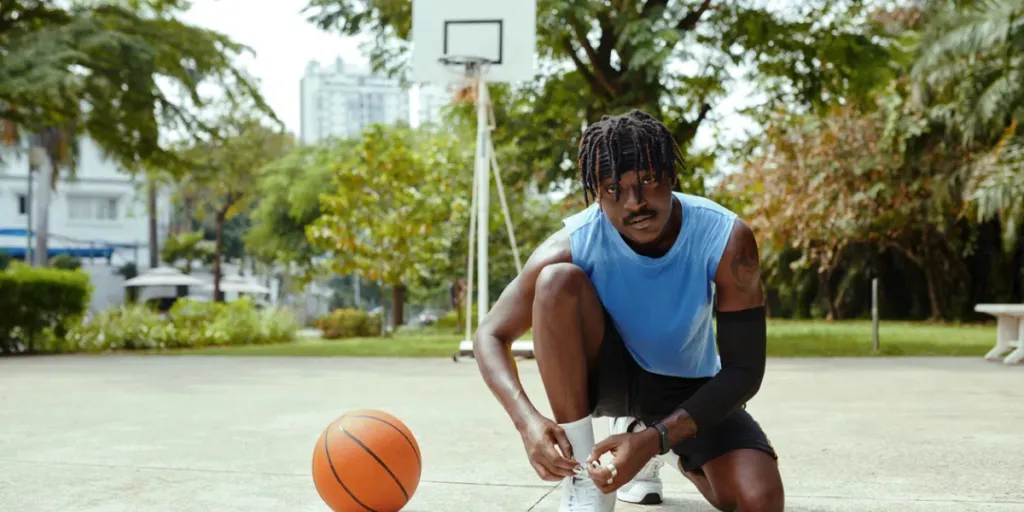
{"x":738,"y":277}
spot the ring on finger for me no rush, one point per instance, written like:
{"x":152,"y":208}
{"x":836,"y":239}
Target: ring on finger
{"x":614,"y":471}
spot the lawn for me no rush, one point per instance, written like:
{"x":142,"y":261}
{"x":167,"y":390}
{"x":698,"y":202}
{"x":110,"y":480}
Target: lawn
{"x":786,"y":338}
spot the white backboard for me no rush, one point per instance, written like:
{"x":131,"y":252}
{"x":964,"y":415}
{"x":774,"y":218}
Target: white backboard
{"x":503,"y":31}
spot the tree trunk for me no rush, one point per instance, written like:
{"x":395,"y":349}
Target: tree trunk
{"x":933,"y":294}
{"x":397,"y":305}
{"x":42,"y":255}
{"x":218,"y":253}
{"x":154,"y":246}
{"x":829,"y":294}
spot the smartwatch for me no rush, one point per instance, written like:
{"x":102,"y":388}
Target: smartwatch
{"x":663,"y":438}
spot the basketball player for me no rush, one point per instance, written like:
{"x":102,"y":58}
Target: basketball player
{"x":620,"y":301}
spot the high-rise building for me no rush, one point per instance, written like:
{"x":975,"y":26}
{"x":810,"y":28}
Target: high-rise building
{"x":433,"y":98}
{"x":342,"y":101}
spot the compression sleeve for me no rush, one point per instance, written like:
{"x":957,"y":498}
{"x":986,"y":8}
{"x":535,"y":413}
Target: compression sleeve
{"x":742,"y":340}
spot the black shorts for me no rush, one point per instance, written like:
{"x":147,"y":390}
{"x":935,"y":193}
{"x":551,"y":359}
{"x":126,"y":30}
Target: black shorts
{"x":620,"y":387}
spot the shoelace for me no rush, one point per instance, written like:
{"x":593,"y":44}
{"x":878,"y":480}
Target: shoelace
{"x":583,"y":494}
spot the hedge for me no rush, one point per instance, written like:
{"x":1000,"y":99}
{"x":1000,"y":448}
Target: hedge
{"x":39,"y":303}
{"x":349,"y":323}
{"x":188,"y":324}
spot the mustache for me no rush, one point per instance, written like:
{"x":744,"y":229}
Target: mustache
{"x":633,"y":217}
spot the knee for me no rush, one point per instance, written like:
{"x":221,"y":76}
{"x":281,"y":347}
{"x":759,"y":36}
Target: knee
{"x":557,"y":284}
{"x":754,"y":498}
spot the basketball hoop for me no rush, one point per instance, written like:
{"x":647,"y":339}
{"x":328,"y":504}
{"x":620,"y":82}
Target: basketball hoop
{"x":464,"y":90}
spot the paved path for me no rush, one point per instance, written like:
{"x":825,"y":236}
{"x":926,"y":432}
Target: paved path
{"x":225,"y":434}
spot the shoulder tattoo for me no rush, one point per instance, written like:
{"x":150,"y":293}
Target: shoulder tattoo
{"x":746,"y":268}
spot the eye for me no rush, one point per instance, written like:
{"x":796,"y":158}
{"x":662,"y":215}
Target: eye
{"x":611,"y":189}
{"x":649,"y":180}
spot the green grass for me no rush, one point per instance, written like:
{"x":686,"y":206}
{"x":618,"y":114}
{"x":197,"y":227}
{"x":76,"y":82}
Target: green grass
{"x":802,"y":338}
{"x":786,"y":338}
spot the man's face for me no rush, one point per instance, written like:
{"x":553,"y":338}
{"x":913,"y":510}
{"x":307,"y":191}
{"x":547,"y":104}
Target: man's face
{"x":643,"y":207}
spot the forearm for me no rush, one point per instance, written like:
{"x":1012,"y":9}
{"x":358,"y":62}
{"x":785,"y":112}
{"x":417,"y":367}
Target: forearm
{"x":742,"y":340}
{"x":495,"y":362}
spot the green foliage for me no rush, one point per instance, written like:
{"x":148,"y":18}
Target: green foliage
{"x":394,"y":203}
{"x":39,"y":301}
{"x":66,"y":262}
{"x":189,"y":324}
{"x":349,"y":323}
{"x":5,"y":260}
{"x":289,"y":192}
{"x":95,"y":68}
{"x":189,"y":246}
{"x":223,"y":172}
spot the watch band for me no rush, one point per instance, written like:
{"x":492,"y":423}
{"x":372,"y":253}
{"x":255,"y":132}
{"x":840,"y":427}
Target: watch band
{"x":663,"y":434}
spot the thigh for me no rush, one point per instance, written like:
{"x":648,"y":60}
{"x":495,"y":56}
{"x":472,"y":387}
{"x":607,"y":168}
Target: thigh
{"x":738,"y":431}
{"x":739,"y":463}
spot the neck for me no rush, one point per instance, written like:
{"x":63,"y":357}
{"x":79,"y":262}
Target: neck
{"x":661,"y":245}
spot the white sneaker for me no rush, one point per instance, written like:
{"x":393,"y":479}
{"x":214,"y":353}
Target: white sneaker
{"x":581,"y":495}
{"x":645,"y":487}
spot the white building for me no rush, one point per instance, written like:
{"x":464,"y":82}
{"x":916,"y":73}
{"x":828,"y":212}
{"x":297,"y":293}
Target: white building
{"x":432,"y":99}
{"x":99,"y":216}
{"x":342,"y":101}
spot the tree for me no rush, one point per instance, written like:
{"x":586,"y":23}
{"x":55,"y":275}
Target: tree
{"x":672,"y":58}
{"x":227,"y":167}
{"x":94,"y":69}
{"x":983,"y":40}
{"x":395,"y":202}
{"x":289,"y":192}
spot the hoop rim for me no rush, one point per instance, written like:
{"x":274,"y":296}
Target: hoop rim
{"x":465,"y":60}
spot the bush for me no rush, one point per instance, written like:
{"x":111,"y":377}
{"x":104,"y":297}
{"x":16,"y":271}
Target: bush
{"x":349,"y":323}
{"x":38,"y":304}
{"x":188,"y":324}
{"x":66,"y":262}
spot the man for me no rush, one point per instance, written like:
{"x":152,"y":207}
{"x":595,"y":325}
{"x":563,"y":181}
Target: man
{"x":620,"y":301}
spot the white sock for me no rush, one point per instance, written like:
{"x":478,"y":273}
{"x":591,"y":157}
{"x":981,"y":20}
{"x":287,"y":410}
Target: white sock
{"x":581,"y":437}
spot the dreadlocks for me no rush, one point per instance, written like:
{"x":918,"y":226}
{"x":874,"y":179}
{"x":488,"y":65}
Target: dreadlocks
{"x":623,"y":143}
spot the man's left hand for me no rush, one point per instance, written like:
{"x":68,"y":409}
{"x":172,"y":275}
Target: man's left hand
{"x":630,"y":451}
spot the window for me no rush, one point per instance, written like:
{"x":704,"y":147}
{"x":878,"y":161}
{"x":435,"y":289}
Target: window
{"x":22,"y":204}
{"x":88,"y":208}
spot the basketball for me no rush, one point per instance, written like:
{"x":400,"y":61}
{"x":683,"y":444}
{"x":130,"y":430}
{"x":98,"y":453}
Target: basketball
{"x":366,"y":460}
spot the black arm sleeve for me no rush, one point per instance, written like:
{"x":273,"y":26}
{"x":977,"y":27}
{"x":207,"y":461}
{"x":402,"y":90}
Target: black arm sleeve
{"x":742,"y":340}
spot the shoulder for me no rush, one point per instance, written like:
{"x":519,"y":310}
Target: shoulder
{"x":738,"y":277}
{"x":582,"y":219}
{"x":705,"y":207}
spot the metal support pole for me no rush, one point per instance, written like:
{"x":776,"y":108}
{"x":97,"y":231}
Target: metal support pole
{"x":874,"y":312}
{"x":483,"y":192}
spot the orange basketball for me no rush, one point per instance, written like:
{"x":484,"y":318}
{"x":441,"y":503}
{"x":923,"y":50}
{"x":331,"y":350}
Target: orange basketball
{"x":366,"y":460}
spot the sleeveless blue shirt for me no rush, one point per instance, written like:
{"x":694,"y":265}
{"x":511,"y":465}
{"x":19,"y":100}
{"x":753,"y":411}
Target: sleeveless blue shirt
{"x":661,"y":306}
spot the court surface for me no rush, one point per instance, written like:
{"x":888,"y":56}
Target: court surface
{"x":201,"y":434}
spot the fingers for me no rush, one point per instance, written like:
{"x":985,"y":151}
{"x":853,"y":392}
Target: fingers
{"x":563,"y":443}
{"x":607,"y":444}
{"x":543,"y":473}
{"x":555,"y":462}
{"x":605,"y":477}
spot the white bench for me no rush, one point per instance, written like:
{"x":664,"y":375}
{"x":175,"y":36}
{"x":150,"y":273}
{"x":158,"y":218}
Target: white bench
{"x":1009,"y":331}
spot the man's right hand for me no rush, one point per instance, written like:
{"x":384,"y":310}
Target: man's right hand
{"x":540,"y":436}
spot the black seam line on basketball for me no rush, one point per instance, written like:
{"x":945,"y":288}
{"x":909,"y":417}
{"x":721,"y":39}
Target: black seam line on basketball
{"x":392,"y":425}
{"x":327,"y":450}
{"x":374,"y":455}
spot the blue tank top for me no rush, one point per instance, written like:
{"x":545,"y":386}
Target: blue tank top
{"x":662,"y":306}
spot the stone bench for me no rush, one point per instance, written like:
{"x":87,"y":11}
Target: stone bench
{"x":1009,"y":331}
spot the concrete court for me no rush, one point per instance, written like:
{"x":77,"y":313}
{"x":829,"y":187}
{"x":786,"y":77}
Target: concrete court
{"x":224,"y":434}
